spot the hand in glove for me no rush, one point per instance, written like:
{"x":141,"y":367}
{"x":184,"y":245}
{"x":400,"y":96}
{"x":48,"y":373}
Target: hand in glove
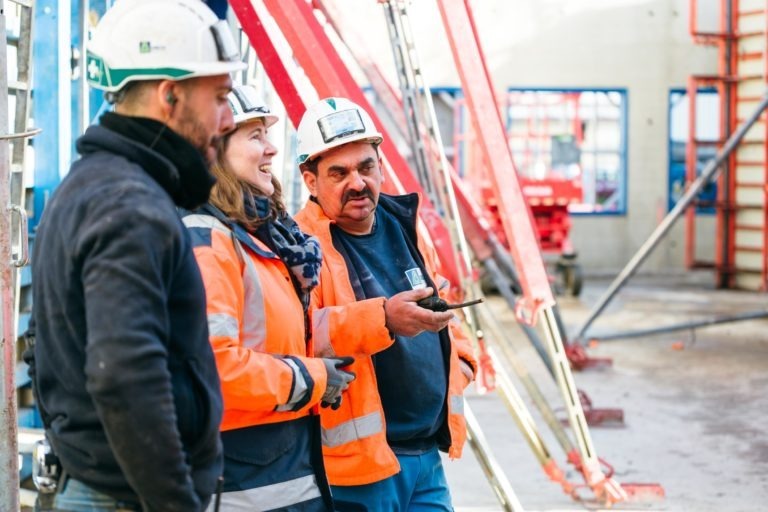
{"x":338,"y":380}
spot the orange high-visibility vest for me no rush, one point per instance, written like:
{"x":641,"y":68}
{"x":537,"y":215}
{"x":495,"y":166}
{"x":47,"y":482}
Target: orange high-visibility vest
{"x":253,"y":315}
{"x":355,"y":446}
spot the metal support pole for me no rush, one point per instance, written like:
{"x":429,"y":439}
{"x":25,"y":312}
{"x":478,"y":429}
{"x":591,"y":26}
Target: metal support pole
{"x":493,"y":472}
{"x":410,"y":102}
{"x":9,"y":451}
{"x":492,"y":143}
{"x":519,"y":368}
{"x":606,"y":489}
{"x":662,"y":229}
{"x":642,"y":333}
{"x":726,"y":257}
{"x":83,"y":93}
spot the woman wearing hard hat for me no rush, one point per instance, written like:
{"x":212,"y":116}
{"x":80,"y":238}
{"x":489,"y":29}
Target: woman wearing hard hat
{"x":259,"y":269}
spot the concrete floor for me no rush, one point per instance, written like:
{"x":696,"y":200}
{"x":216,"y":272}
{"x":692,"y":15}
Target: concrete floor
{"x":695,"y":405}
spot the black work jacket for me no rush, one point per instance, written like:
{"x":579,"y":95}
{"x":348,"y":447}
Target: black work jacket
{"x":123,"y":369}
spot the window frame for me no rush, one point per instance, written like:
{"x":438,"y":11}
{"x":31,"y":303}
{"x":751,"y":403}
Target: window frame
{"x":623,"y":149}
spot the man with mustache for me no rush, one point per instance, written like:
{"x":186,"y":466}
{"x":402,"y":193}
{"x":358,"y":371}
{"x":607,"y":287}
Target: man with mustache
{"x":123,"y":372}
{"x":412,"y":364}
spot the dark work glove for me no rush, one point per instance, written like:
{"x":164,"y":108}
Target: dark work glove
{"x":338,"y":380}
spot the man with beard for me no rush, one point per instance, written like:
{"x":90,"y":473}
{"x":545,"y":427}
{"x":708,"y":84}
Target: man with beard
{"x":124,"y":375}
{"x":381,"y":445}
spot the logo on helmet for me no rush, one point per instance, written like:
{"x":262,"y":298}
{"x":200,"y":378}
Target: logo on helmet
{"x":95,"y":67}
{"x":144,"y":47}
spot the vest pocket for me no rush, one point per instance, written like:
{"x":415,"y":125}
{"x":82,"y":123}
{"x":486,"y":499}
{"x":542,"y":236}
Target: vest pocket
{"x":263,"y":455}
{"x":191,"y":398}
{"x":262,"y":444}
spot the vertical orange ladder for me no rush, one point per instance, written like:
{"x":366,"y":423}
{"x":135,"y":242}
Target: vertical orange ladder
{"x":741,"y":232}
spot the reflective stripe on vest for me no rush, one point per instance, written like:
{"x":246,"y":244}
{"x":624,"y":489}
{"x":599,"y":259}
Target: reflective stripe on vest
{"x":356,"y":428}
{"x":270,"y":497}
{"x":204,"y":221}
{"x":457,"y":404}
{"x":321,"y":330}
{"x":222,"y":324}
{"x":254,"y":318}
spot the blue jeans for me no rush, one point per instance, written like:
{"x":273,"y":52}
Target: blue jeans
{"x":75,"y":496}
{"x":420,"y":486}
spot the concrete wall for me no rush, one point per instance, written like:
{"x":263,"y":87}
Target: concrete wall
{"x":640,"y":45}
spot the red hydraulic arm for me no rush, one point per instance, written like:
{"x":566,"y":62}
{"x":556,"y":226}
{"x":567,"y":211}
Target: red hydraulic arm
{"x":514,"y":211}
{"x":330,"y":77}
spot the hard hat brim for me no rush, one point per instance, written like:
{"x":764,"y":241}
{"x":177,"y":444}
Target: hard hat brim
{"x":113,"y":79}
{"x":243,"y":119}
{"x":373,"y":138}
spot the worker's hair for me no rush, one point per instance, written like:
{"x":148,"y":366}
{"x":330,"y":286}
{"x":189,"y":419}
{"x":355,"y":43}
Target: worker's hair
{"x":130,"y":94}
{"x":312,"y":165}
{"x":230,"y":193}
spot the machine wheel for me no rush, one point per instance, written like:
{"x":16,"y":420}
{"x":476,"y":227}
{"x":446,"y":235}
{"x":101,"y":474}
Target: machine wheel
{"x":569,"y":277}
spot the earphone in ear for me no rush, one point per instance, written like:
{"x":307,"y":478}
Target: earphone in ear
{"x":171,"y":99}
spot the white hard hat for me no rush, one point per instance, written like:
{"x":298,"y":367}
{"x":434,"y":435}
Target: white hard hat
{"x":246,"y":105}
{"x":159,"y":40}
{"x":330,"y":123}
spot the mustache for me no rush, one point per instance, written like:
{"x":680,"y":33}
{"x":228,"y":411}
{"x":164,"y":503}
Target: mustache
{"x":357,"y":194}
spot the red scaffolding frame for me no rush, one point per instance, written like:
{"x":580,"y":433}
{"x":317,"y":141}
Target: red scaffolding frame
{"x":736,"y":227}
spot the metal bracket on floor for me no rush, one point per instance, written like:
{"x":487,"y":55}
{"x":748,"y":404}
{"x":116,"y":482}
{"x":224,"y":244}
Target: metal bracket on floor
{"x":598,"y":417}
{"x":580,"y":360}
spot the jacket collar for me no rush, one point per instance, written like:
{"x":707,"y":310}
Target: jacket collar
{"x":237,"y":230}
{"x":168,"y":158}
{"x":404,"y":207}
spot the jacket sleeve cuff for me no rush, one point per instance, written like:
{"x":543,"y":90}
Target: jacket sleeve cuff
{"x":301,"y":389}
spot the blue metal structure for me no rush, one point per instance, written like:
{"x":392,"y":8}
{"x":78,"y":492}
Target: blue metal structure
{"x":59,"y":93}
{"x":52,"y":99}
{"x":62,"y":106}
{"x":96,"y":103}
